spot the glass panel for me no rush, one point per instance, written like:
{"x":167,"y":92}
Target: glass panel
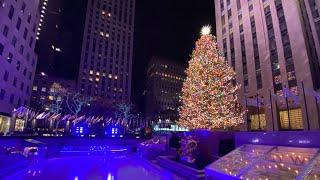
{"x":255,"y":122}
{"x":295,"y":119}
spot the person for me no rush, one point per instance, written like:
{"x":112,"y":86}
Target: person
{"x":174,"y":141}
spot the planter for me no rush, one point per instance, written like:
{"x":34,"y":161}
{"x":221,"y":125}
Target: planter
{"x":181,"y":169}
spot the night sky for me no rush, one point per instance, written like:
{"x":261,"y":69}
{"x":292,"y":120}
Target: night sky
{"x":169,"y":29}
{"x":165,"y":28}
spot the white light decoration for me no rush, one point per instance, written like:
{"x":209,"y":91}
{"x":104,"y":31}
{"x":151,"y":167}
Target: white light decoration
{"x":42,"y":14}
{"x":269,"y":162}
{"x":206,"y":30}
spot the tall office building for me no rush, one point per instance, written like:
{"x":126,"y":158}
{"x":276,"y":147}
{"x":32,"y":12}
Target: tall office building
{"x":274,"y":46}
{"x":41,"y":89}
{"x":49,"y":24}
{"x":106,"y":58}
{"x":164,"y":83}
{"x":19,"y":21}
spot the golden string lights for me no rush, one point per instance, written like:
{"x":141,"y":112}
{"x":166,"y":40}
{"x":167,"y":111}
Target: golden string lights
{"x":254,"y":162}
{"x":209,"y":94}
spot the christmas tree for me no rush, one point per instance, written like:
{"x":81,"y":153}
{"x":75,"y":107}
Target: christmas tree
{"x":209,"y":94}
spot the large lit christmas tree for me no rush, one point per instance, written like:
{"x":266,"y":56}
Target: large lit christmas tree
{"x":209,"y":94}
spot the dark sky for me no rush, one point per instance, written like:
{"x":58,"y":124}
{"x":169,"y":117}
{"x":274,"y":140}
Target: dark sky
{"x":169,"y":29}
{"x":165,"y":28}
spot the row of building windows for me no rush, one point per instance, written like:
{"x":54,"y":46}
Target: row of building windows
{"x":274,"y":60}
{"x":18,"y":27}
{"x":255,"y":47}
{"x":272,"y":45}
{"x":11,"y":98}
{"x":316,"y":19}
{"x":107,"y":49}
{"x":15,"y":82}
{"x":10,"y":59}
{"x":123,"y":14}
{"x":291,"y":120}
{"x":109,"y":93}
{"x":292,"y":82}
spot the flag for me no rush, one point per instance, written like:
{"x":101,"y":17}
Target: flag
{"x":56,"y":116}
{"x":46,"y":115}
{"x":71,"y":118}
{"x":66,"y":117}
{"x":21,"y":112}
{"x":108,"y":121}
{"x":40,"y":116}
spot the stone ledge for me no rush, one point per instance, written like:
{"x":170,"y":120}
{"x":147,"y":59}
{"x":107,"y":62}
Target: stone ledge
{"x":179,"y":168}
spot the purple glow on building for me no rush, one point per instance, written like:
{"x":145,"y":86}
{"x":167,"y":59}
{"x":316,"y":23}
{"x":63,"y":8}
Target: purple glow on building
{"x":19,"y":23}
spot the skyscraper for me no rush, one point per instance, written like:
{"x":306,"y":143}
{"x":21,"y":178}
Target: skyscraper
{"x":49,"y":24}
{"x":19,"y":22}
{"x":60,"y":35}
{"x":274,"y":47}
{"x":164,"y":83}
{"x":106,"y":58}
{"x":41,"y":89}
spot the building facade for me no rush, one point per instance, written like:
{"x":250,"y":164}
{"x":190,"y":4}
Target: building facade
{"x":164,"y":83}
{"x":274,"y":47}
{"x":42,"y":86}
{"x":19,"y":21}
{"x":106,"y":58}
{"x":49,"y":24}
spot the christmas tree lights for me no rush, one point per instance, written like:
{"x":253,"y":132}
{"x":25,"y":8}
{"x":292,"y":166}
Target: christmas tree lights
{"x":209,"y":94}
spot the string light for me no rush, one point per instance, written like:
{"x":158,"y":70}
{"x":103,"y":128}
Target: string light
{"x":268,"y":164}
{"x":209,"y":94}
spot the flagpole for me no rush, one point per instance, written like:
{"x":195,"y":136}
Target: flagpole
{"x":270,"y":96}
{"x":257,"y":96}
{"x":305,"y":104}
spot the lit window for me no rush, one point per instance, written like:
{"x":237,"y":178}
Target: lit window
{"x":91,"y":72}
{"x":277,"y":79}
{"x":43,"y":89}
{"x":291,"y":75}
{"x":34,"y":88}
{"x":294,"y":90}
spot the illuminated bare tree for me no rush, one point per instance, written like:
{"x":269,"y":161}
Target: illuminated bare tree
{"x":75,"y":102}
{"x":57,"y":95}
{"x":124,"y":111}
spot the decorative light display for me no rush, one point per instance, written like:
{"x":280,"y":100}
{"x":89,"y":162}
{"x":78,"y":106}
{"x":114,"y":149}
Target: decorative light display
{"x":188,"y":147}
{"x":80,"y":130}
{"x":269,"y":162}
{"x":209,"y":94}
{"x":114,"y":131}
{"x":43,"y":11}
